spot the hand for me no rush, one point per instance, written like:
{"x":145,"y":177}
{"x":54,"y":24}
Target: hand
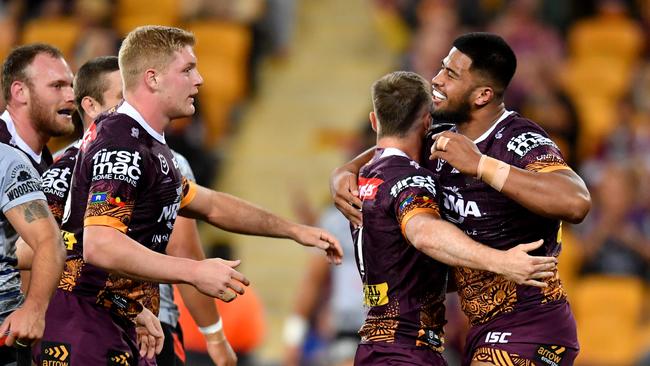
{"x":457,"y":150}
{"x":316,"y":237}
{"x":524,"y":269}
{"x":345,"y":193}
{"x":150,"y":334}
{"x":217,"y":277}
{"x":221,"y":353}
{"x":24,"y":326}
{"x":292,"y":356}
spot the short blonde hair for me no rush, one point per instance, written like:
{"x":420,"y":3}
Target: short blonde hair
{"x":150,"y":47}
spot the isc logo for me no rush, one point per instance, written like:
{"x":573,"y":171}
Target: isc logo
{"x":497,"y":337}
{"x":368,"y":187}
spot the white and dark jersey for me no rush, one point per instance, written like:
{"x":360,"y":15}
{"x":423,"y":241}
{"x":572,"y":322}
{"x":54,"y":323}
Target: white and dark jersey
{"x":168,"y":310}
{"x":19,"y":184}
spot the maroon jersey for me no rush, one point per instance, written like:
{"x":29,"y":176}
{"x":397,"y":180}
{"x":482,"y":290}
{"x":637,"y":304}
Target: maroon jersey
{"x":8,"y":135}
{"x":56,"y":180}
{"x":125,"y":177}
{"x":404,"y":289}
{"x":493,"y":219}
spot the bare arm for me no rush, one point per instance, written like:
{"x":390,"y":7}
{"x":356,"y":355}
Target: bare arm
{"x":236,"y":215}
{"x":446,"y":243}
{"x":344,"y":187}
{"x":185,"y":242}
{"x":35,"y":224}
{"x":112,"y":250}
{"x":25,"y":255}
{"x":570,"y":201}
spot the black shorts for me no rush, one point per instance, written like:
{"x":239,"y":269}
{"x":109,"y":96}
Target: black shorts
{"x":173,"y":352}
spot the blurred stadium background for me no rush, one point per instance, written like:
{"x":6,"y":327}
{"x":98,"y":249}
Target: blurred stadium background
{"x":286,"y":98}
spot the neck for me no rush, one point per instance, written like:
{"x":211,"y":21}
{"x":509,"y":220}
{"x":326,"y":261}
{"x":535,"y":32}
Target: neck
{"x":481,"y":120}
{"x":410,"y":144}
{"x":149,"y":107}
{"x":25,"y":128}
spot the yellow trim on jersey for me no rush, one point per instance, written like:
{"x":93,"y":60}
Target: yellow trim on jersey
{"x":553,"y":168}
{"x":105,"y":221}
{"x":191,"y":193}
{"x":416,"y":211}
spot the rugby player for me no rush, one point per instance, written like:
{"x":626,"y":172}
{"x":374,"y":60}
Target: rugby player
{"x":23,"y":211}
{"x":126,"y":193}
{"x":503,"y":181}
{"x":402,"y":234}
{"x":37,"y":87}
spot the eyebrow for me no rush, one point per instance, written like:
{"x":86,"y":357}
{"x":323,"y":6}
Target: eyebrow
{"x":447,"y":68}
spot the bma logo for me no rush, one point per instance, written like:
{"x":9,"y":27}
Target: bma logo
{"x":497,"y":337}
{"x":368,"y":187}
{"x":527,"y":141}
{"x":119,"y":165}
{"x":169,"y":212}
{"x":454,"y":202}
{"x":56,"y":181}
{"x":417,"y":181}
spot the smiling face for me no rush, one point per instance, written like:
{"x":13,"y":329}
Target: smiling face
{"x":51,"y":98}
{"x":453,"y":87}
{"x":179,"y":84}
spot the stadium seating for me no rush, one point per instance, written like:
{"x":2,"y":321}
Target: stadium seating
{"x":608,"y":311}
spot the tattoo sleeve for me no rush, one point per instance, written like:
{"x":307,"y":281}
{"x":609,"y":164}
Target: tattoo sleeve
{"x":34,"y":210}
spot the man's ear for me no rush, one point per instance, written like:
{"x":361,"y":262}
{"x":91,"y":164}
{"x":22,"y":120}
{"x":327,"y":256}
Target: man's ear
{"x":485,"y":96}
{"x":150,"y":78}
{"x":373,"y":121}
{"x":90,"y":107}
{"x":19,"y":91}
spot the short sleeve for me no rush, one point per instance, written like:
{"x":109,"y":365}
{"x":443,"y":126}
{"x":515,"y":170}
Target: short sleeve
{"x":533,"y":150}
{"x":412,"y":195}
{"x":116,"y":176}
{"x":20,"y":182}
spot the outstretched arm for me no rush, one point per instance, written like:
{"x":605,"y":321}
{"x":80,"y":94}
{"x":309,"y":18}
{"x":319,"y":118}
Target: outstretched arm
{"x":112,"y":250}
{"x":570,"y":198}
{"x":35,"y":224}
{"x":236,"y":215}
{"x":446,"y":243}
{"x":185,"y":242}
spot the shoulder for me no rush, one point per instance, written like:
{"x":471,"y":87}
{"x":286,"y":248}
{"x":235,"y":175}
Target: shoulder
{"x":183,"y":165}
{"x":10,"y":156}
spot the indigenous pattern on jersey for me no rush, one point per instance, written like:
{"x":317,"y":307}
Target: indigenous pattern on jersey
{"x":9,"y":136}
{"x":404,"y":289}
{"x":491,"y":218}
{"x":125,"y":177}
{"x":19,"y":184}
{"x":57,"y":178}
{"x":169,"y":312}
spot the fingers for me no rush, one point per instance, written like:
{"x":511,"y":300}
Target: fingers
{"x":441,"y":143}
{"x":235,"y":287}
{"x":544,"y":260}
{"x":543,"y":267}
{"x":232,"y":264}
{"x":226,"y":295}
{"x":240,"y":277}
{"x":531,"y":246}
{"x":535,"y":283}
{"x":542,"y":275}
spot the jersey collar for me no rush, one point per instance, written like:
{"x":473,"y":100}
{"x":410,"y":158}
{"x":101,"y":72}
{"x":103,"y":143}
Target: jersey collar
{"x":130,"y":111}
{"x":487,"y":133}
{"x":17,"y":140}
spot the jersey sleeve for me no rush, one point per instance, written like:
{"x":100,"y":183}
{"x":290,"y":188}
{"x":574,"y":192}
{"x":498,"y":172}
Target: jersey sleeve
{"x":20,"y":182}
{"x":189,"y":182}
{"x":533,"y":150}
{"x":412,"y":195}
{"x":116,"y":177}
{"x":189,"y":192}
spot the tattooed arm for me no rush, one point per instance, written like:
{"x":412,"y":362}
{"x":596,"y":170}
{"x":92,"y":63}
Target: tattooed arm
{"x":36,"y":225}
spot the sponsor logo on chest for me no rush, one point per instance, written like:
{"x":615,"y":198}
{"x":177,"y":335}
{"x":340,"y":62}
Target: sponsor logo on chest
{"x":56,"y":181}
{"x":117,"y":165}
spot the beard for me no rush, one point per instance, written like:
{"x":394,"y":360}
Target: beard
{"x":457,"y":113}
{"x":45,"y":119}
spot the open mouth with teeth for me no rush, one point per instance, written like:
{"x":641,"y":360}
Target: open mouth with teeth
{"x":438,"y":96}
{"x":65,"y":112}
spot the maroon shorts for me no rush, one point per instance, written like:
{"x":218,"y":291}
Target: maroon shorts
{"x":79,"y":332}
{"x":544,"y":336}
{"x":396,"y":355}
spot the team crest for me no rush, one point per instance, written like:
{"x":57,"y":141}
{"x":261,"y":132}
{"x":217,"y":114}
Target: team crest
{"x":164,"y":166}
